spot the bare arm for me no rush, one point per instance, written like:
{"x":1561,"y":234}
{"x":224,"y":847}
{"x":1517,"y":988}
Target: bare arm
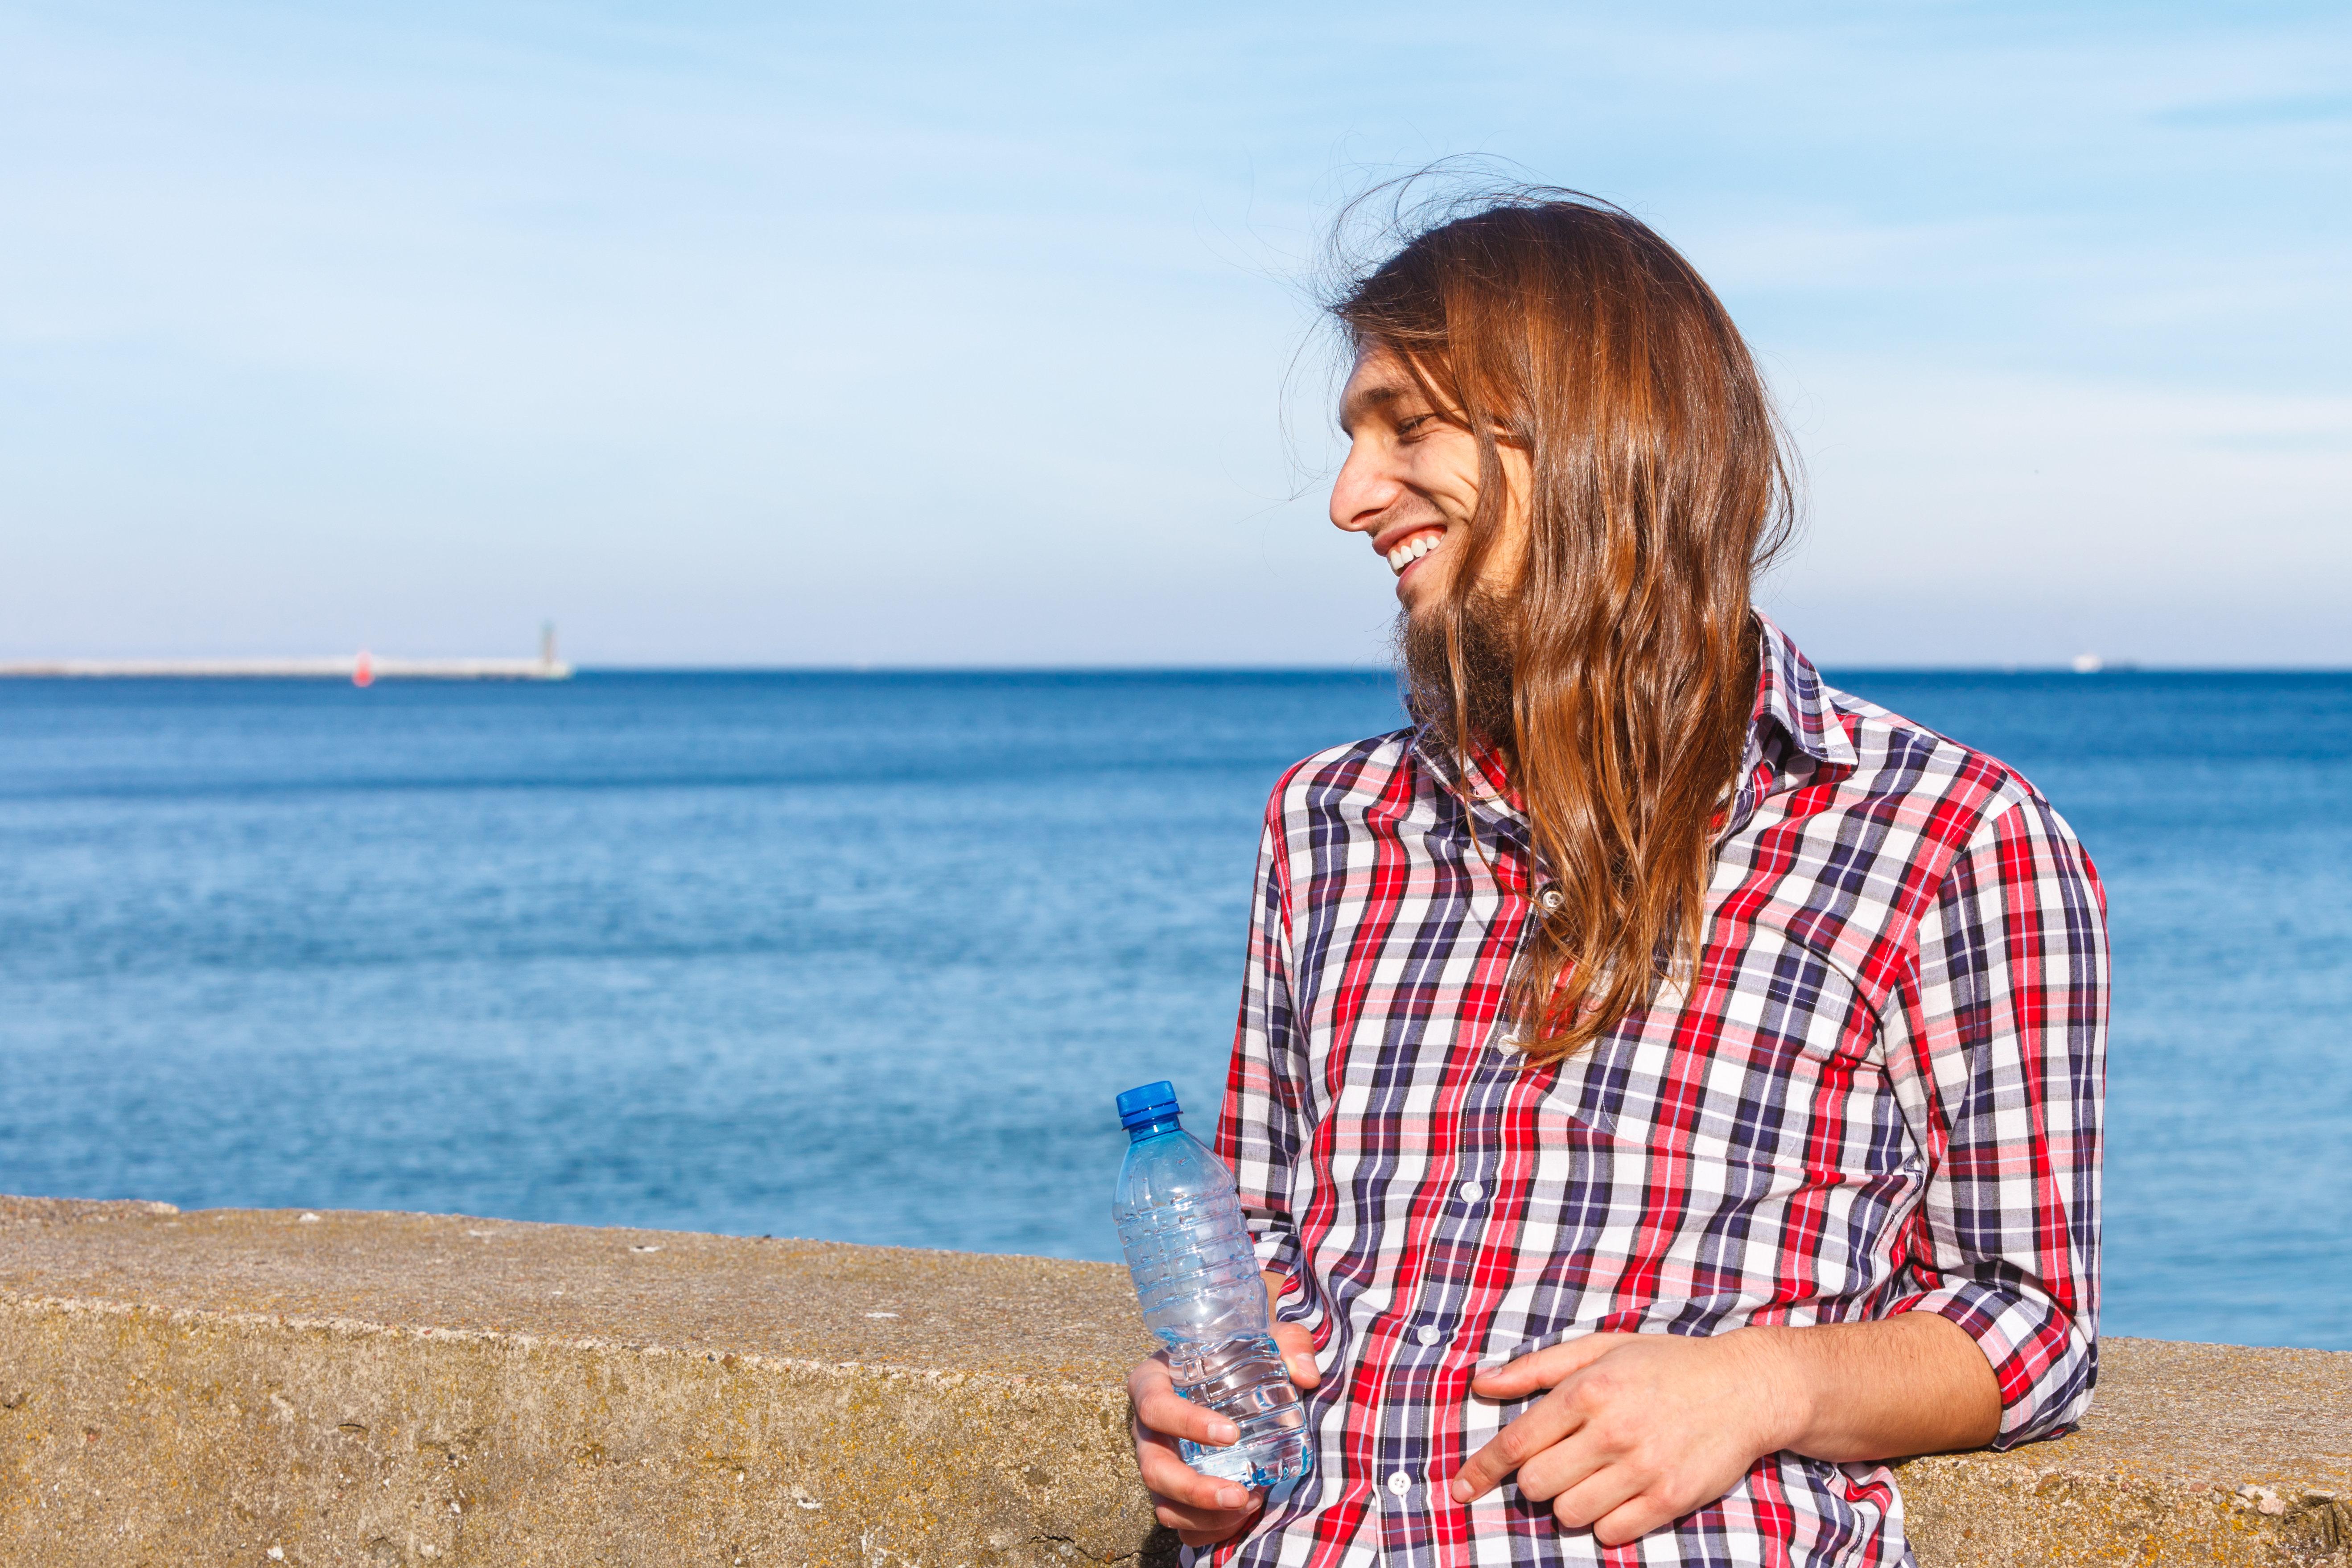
{"x":1640,"y":1429}
{"x":1200,"y":1510}
{"x":1912,"y":1384}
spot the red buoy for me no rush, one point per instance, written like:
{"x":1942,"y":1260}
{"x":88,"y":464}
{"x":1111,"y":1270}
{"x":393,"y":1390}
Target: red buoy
{"x":362,"y":674}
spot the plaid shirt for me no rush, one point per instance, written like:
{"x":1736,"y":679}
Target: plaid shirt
{"x":1879,"y":1094}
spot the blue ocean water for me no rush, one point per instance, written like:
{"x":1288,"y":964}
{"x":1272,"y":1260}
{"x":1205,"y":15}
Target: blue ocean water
{"x":865,"y":956}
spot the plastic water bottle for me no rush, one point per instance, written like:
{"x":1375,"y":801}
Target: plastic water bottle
{"x":1197,"y":1276}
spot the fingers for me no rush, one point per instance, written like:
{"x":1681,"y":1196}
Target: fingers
{"x":1565,"y":1467}
{"x":1523,"y":1439}
{"x":1199,"y":1508}
{"x":1544,"y":1368}
{"x":1199,"y":1526}
{"x":1176,"y":1484}
{"x":1297,"y":1342}
{"x":1171,"y":1415}
{"x":1159,"y":1408}
{"x":1217,"y":1522}
{"x":1212,"y":1534}
{"x":1597,"y":1494}
{"x":1635,"y":1518}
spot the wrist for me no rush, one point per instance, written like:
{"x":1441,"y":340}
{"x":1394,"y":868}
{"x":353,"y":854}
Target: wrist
{"x":1786,"y":1402}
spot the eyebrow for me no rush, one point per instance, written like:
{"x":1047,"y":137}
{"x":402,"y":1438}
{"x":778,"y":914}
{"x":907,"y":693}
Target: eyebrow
{"x":1364,"y":402}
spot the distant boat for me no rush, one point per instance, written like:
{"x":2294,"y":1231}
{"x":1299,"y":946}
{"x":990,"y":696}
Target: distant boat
{"x":2089,"y":664}
{"x":361,"y":668}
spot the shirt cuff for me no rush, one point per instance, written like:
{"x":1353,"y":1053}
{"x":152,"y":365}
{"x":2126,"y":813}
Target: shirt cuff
{"x":2043,"y":1365}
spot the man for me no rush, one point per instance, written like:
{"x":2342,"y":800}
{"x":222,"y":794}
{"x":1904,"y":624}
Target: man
{"x":1667,"y":1086}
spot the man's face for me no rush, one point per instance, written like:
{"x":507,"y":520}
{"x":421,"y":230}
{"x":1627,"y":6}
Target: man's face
{"x":1410,"y":484}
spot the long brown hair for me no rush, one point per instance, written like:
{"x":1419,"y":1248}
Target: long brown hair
{"x":1561,"y":325}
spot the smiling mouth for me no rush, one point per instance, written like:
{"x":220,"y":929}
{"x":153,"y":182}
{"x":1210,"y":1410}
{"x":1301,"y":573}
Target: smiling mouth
{"x":1408,"y":551}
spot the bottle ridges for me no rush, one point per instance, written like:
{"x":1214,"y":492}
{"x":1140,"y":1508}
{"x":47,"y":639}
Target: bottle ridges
{"x":1181,"y":1246}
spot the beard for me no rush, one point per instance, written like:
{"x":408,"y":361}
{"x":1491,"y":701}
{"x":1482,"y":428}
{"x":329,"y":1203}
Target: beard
{"x":1483,"y":713}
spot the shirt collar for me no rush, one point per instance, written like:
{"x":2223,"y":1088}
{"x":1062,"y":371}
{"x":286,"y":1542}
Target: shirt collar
{"x":1481,"y":784}
{"x":1791,"y":695}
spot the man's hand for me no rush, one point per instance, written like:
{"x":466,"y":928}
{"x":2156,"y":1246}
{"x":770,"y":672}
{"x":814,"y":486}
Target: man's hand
{"x":1637,"y":1431}
{"x":1200,"y":1510}
{"x":1641,"y":1429}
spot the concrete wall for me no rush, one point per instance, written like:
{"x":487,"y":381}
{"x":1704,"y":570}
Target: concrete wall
{"x":252,"y":1388}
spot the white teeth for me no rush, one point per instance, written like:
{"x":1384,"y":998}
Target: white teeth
{"x":1412,"y":550}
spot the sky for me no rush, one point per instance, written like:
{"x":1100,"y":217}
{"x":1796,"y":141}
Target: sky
{"x":723,"y":334}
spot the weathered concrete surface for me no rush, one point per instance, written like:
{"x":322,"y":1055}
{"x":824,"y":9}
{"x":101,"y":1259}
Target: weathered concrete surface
{"x":377,"y":1389}
{"x":2192,"y":1454}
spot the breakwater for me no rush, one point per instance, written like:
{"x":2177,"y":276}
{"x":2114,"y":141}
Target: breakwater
{"x":352,"y":1388}
{"x":360,"y":668}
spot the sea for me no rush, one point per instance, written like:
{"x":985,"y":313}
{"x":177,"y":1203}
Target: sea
{"x":865,"y":956}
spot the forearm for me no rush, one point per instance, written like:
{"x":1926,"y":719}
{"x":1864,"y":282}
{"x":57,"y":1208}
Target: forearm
{"x":1916,"y":1383}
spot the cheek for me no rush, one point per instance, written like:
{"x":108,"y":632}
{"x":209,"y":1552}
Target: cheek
{"x":1448,"y":470}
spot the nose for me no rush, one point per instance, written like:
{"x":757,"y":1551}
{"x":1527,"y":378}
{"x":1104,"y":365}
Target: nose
{"x":1363,"y":490}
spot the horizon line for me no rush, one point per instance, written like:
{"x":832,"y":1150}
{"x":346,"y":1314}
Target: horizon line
{"x":394,"y":668}
{"x":2120,"y":666}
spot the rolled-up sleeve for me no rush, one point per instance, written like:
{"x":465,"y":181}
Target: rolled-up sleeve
{"x":1258,"y":1130}
{"x":2007,"y":1057}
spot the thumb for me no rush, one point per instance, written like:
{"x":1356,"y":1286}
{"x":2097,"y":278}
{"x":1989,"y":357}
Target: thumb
{"x":1543,"y":1368}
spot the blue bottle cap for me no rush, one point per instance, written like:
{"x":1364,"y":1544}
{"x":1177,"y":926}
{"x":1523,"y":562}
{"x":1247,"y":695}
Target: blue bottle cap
{"x":1152,"y":1102}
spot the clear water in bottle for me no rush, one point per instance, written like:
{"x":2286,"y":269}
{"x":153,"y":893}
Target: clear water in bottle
{"x":1197,"y":1278}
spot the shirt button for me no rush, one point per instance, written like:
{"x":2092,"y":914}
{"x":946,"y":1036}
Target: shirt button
{"x":1548,"y":896}
{"x":1472,"y":1191}
{"x":1508,"y":1044}
{"x":1399,"y":1483}
{"x":1427,"y":1334}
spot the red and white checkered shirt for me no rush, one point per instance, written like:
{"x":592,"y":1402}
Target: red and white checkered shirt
{"x":1879,"y":1094}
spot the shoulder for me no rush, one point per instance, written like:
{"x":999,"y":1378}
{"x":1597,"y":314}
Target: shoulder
{"x":1888,"y":790}
{"x":1345,"y":779}
{"x":1954,"y":794}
